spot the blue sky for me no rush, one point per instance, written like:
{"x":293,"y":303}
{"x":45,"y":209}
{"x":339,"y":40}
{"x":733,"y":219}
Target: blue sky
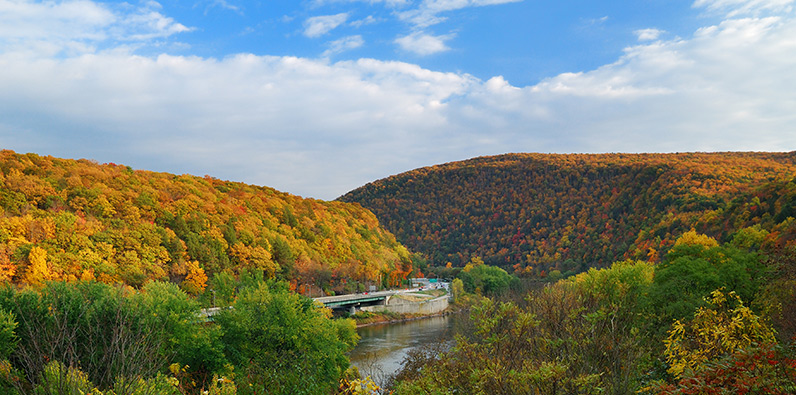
{"x":524,"y":41}
{"x":318,"y":97}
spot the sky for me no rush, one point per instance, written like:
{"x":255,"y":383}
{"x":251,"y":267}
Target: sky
{"x":319,"y":97}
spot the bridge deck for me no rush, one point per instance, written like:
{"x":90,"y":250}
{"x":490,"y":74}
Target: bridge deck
{"x":342,"y":300}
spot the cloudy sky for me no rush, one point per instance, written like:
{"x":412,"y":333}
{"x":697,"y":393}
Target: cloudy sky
{"x":318,"y":97}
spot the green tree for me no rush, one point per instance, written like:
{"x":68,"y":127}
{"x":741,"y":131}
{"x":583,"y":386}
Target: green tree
{"x":486,"y":279}
{"x":221,"y":291}
{"x":457,"y":289}
{"x":282,"y":343}
{"x":172,"y":316}
{"x":8,"y":339}
{"x":691,"y":271}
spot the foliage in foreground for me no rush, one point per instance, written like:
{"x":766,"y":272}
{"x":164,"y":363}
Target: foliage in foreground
{"x":721,"y":328}
{"x":93,"y":338}
{"x":282,"y":343}
{"x":767,"y":369}
{"x":564,"y":340}
{"x":613,"y":331}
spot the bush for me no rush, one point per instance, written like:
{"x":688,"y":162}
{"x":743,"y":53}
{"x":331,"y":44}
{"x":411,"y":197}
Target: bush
{"x":171,"y":314}
{"x":87,"y":324}
{"x":284,"y":344}
{"x":690,"y":272}
{"x":56,"y":378}
{"x":8,"y":339}
{"x":765,"y":370}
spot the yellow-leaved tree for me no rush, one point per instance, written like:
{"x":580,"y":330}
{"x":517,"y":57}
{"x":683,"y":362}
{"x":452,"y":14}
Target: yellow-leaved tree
{"x":37,"y":270}
{"x":693,"y":238}
{"x":196,"y":280}
{"x":475,"y":262}
{"x":721,"y":328}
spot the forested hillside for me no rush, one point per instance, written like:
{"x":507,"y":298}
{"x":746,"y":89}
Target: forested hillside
{"x":76,"y":219}
{"x":539,"y":212}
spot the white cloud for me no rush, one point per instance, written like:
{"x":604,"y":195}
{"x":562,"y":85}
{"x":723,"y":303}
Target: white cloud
{"x":648,"y":34}
{"x":369,"y":20}
{"x":727,"y":88}
{"x":734,"y":8}
{"x":319,"y":25}
{"x":427,"y":13}
{"x":223,"y":4}
{"x":78,"y":26}
{"x":389,"y":3}
{"x":319,"y":128}
{"x":278,"y":121}
{"x":29,"y":21}
{"x":344,"y":44}
{"x":146,"y":25}
{"x":421,"y":43}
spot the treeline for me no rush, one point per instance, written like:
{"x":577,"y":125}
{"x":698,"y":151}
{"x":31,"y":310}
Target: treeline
{"x":535,"y":213}
{"x":87,"y":337}
{"x":79,"y":220}
{"x":709,"y":318}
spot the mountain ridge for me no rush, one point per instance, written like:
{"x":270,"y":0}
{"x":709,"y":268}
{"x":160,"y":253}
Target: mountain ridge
{"x":65,"y":219}
{"x":568,"y":212}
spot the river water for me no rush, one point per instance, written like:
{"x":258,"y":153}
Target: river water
{"x":382,"y":348}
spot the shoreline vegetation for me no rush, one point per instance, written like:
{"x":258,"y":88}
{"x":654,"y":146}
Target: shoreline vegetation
{"x":95,"y":338}
{"x":710,"y":317}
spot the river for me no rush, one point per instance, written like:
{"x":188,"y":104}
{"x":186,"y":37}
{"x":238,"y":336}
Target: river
{"x":382,"y":348}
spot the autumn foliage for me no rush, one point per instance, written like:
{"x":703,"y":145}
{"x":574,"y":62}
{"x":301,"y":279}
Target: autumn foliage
{"x":612,"y":331}
{"x":538,"y":213}
{"x":721,"y":328}
{"x":766,"y":369}
{"x":76,"y":219}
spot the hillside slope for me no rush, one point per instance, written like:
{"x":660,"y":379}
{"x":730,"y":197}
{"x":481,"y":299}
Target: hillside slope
{"x":67,"y":219}
{"x":539,"y":212}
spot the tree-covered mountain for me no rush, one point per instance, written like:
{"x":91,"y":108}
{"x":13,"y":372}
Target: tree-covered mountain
{"x":543,"y":212}
{"x":76,"y":219}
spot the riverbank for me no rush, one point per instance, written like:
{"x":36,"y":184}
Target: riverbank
{"x":382,"y":349}
{"x":373,"y":318}
{"x":367,"y":318}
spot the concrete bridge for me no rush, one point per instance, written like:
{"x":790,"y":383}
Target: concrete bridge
{"x":368,"y":301}
{"x":352,"y":302}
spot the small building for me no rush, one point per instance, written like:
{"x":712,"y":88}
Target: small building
{"x":419,"y":282}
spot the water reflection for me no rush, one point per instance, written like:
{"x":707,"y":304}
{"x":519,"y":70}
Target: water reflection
{"x":382,"y":348}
